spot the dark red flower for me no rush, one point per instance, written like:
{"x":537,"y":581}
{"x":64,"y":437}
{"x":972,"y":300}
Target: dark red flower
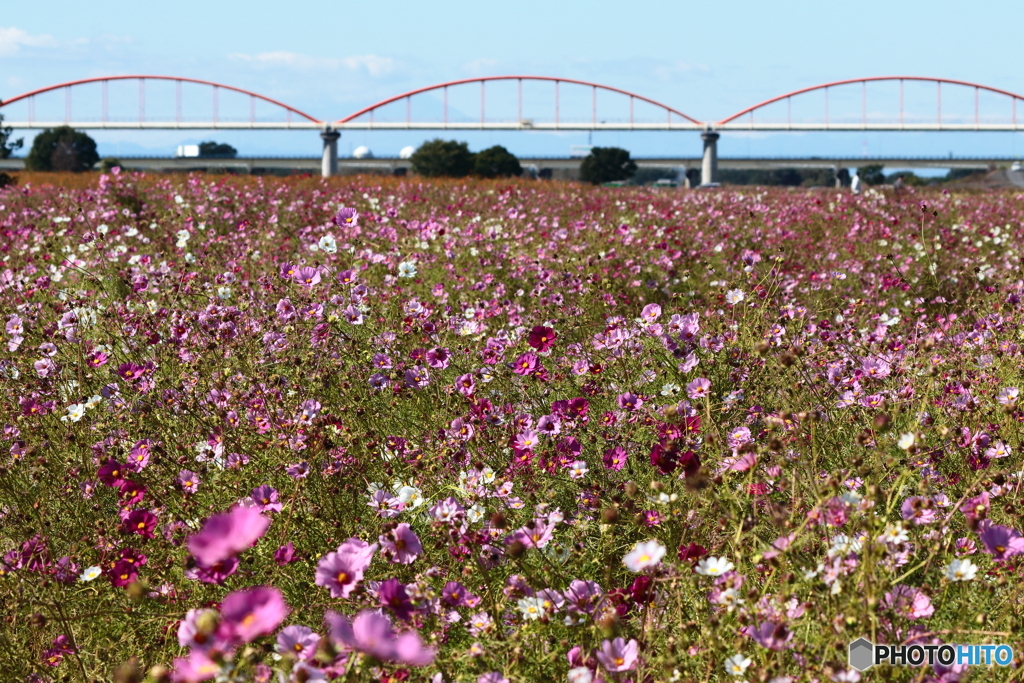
{"x":542,"y":338}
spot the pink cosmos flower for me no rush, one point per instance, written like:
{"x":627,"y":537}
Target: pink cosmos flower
{"x":549,"y":424}
{"x":439,"y":358}
{"x":525,"y":364}
{"x":651,"y":313}
{"x":284,"y":554}
{"x":615,"y":458}
{"x":698,"y":388}
{"x":1001,"y":542}
{"x":618,"y":655}
{"x":45,"y":367}
{"x":300,"y":641}
{"x":401,"y":544}
{"x":138,"y":458}
{"x":630,"y":401}
{"x":909,"y":602}
{"x":308,"y":276}
{"x":919,"y":509}
{"x":770,"y":634}
{"x":341,"y":571}
{"x":346,"y":217}
{"x":252,"y":613}
{"x":195,"y":668}
{"x":266,"y":499}
{"x":371,"y":633}
{"x":461,"y":429}
{"x":465,"y":385}
{"x":525,"y":440}
{"x":191,"y":636}
{"x":228,"y":534}
{"x":417,"y":377}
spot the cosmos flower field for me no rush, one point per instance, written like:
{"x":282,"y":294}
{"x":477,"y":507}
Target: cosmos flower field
{"x":383,"y":430}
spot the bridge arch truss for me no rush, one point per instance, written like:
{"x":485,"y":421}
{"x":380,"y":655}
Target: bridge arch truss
{"x":746,"y":119}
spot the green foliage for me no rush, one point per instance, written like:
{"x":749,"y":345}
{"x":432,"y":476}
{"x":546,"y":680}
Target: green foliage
{"x":62,"y":149}
{"x":607,"y":164}
{"x":496,"y":162}
{"x":109,"y":163}
{"x":785,"y":177}
{"x":217,"y":150}
{"x":6,"y":144}
{"x":649,"y":176}
{"x":443,"y":159}
{"x":871,"y":174}
{"x":961,"y":173}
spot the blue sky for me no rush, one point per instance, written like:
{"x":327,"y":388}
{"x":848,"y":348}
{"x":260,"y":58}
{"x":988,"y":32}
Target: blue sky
{"x":706,"y":59}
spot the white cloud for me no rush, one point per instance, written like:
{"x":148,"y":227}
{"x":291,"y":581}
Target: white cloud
{"x":371,"y":64}
{"x":480,"y":67}
{"x":667,"y":72}
{"x":13,"y":39}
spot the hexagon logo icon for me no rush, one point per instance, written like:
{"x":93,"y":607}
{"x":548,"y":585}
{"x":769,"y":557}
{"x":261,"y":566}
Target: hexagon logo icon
{"x":862,"y":654}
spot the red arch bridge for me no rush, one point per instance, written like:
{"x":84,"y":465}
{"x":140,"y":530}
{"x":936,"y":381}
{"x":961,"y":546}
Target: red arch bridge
{"x":539,"y":103}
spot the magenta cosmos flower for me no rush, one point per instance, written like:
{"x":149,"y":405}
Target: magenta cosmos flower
{"x":542,"y":338}
{"x":371,"y":634}
{"x":618,"y":655}
{"x":228,"y":534}
{"x":252,"y":613}
{"x":341,"y":571}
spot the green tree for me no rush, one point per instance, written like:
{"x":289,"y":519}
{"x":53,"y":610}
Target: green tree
{"x":607,"y":164}
{"x":496,"y":162}
{"x":442,"y":158}
{"x":6,"y":144}
{"x":871,"y":174}
{"x":217,"y":150}
{"x":62,"y":149}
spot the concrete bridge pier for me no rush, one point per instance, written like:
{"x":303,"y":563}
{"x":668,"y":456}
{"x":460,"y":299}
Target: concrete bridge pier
{"x":329,"y":163}
{"x":709,"y":164}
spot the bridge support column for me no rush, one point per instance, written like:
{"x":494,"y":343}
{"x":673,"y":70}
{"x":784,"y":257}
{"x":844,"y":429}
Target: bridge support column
{"x":329,"y":164}
{"x":709,"y":165}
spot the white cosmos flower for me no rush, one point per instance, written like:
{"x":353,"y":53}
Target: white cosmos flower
{"x":580,"y":674}
{"x":843,"y":545}
{"x":714,"y":566}
{"x":894,"y":533}
{"x":532,"y":608}
{"x":906,"y":441}
{"x":578,"y":470}
{"x":75,"y":412}
{"x":734,"y":296}
{"x":643,"y":555}
{"x":328,"y":244}
{"x":406,"y":269}
{"x":961,"y":570}
{"x":223,"y":292}
{"x":89,"y":574}
{"x":411,"y":497}
{"x":737,"y":664}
